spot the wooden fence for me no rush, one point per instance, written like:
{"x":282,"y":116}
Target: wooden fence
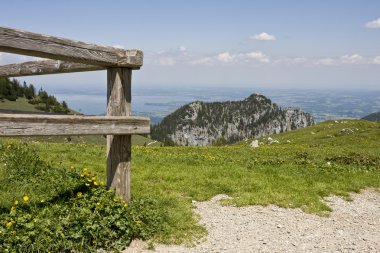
{"x":73,"y":56}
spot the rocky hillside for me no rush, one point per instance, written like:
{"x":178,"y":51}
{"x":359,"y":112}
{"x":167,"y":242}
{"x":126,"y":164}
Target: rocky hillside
{"x":201,"y":124}
{"x":373,"y":116}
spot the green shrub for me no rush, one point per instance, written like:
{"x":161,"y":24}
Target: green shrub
{"x":363,"y":160}
{"x":72,"y":212}
{"x":22,"y":172}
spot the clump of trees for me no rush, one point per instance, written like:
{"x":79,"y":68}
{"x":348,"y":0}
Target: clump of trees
{"x":12,"y":90}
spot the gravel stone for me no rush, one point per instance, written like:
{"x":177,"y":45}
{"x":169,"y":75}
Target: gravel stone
{"x":354,"y":226}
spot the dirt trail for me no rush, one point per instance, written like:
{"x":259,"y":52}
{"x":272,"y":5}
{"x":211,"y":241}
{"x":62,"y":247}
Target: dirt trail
{"x":352,"y":227}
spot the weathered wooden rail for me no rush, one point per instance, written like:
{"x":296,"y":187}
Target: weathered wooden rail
{"x":73,"y":56}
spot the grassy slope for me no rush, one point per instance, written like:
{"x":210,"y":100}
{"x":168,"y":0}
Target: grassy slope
{"x":318,"y":161}
{"x":20,"y":104}
{"x":294,"y":174}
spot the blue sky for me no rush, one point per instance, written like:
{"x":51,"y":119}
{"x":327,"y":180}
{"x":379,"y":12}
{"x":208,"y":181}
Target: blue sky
{"x":277,"y":44}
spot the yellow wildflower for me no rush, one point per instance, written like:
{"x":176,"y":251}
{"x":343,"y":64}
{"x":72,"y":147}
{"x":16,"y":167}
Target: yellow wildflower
{"x":98,"y":204}
{"x":72,"y":167}
{"x":85,"y":169}
{"x":25,"y":198}
{"x":9,"y":224}
{"x":82,"y":175}
{"x":115,"y":199}
{"x":16,"y":202}
{"x":14,"y":232}
{"x":125,"y":204}
{"x":87,"y":184}
{"x":95,"y":183}
{"x":93,"y":178}
{"x":79,"y":194}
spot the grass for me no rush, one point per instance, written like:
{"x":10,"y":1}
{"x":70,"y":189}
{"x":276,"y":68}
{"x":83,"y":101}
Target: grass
{"x":306,"y":166}
{"x":20,"y":104}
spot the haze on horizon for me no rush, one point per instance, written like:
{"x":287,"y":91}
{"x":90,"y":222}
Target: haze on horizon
{"x":274,"y":44}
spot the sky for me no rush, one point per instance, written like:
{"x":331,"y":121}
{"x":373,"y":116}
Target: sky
{"x":308,"y":44}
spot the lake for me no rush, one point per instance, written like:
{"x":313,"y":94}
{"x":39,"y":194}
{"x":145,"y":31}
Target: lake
{"x":159,"y":102}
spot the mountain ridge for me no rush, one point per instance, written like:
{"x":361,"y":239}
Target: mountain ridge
{"x":203,"y":123}
{"x":373,"y":116}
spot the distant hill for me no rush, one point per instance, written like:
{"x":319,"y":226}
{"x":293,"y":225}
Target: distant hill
{"x":201,"y":124}
{"x":373,"y":117}
{"x":14,"y":96}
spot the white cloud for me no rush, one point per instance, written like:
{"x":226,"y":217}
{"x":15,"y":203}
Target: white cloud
{"x":7,"y":58}
{"x":351,"y":59}
{"x":327,"y":62}
{"x":376,"y":60}
{"x":166,"y":61}
{"x":259,"y":56}
{"x":182,"y":49}
{"x":118,"y":46}
{"x":263,"y":36}
{"x":291,"y":61}
{"x":205,"y":61}
{"x":225,"y":57}
{"x":373,"y":24}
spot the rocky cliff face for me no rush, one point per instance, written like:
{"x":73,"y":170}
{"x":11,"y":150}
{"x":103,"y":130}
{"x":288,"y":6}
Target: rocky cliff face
{"x":201,"y":124}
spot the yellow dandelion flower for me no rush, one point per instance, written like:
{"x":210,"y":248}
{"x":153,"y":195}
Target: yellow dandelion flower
{"x":82,"y":175}
{"x":16,"y":202}
{"x":95,"y":183}
{"x":72,"y":167}
{"x":93,"y":178}
{"x":87,"y":184}
{"x":125,"y":204}
{"x":79,"y":194}
{"x":85,"y":169}
{"x":102,"y":183}
{"x":9,"y":224}
{"x":25,"y":198}
{"x":98,"y":204}
{"x":115,"y":199}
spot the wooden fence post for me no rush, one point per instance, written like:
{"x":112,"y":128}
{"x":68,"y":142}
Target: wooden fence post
{"x":119,"y":146}
{"x":75,"y":56}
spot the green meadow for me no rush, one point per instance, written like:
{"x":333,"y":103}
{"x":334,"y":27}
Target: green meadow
{"x":74,"y":213}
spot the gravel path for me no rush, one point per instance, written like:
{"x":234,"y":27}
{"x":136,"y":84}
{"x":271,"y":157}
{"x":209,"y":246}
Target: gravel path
{"x":353,"y":227}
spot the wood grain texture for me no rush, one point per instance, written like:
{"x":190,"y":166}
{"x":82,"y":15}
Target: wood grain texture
{"x":119,"y":147}
{"x":34,"y":44}
{"x":40,"y":125}
{"x":44,"y":67}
